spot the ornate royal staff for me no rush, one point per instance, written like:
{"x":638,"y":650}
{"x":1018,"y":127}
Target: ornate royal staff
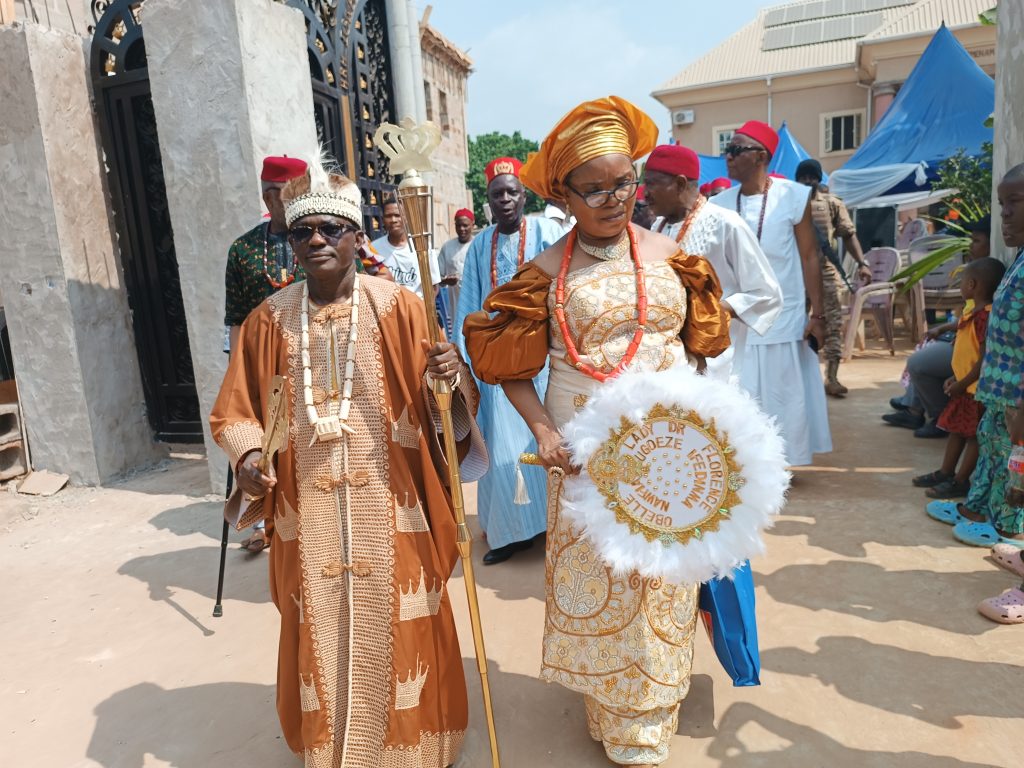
{"x":409,"y":147}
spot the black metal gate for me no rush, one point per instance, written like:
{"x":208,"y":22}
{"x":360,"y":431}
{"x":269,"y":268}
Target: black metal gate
{"x":353,"y":90}
{"x":146,"y":240}
{"x":373,"y":102}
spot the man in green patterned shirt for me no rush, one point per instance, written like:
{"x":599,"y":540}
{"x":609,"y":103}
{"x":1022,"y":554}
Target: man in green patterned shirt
{"x":261,"y":262}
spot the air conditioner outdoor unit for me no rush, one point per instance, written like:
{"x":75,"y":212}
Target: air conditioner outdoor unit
{"x":683,"y":117}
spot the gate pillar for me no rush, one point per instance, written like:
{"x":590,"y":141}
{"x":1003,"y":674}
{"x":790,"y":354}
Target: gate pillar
{"x":230,"y":84}
{"x":61,"y":283}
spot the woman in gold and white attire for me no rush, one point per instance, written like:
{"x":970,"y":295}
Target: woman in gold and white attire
{"x":604,"y":298}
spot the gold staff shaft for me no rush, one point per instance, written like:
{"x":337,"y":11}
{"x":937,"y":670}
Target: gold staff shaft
{"x":415,"y":197}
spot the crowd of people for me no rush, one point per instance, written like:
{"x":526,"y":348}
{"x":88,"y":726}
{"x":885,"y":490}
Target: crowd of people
{"x":738,"y":279}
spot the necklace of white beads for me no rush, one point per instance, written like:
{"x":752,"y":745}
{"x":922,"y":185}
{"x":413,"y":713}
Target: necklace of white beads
{"x":331,"y":426}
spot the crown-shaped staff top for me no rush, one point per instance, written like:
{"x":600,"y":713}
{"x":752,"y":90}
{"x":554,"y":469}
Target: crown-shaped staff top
{"x":408,"y":146}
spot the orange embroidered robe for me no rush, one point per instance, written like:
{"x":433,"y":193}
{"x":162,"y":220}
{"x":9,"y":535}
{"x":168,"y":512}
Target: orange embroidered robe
{"x":369,"y":669}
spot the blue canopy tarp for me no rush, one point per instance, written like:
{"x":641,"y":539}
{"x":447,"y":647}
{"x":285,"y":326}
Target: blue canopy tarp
{"x":941,"y":108}
{"x":785,"y":160}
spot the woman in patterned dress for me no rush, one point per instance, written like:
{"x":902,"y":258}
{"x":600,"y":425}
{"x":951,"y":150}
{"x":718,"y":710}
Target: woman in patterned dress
{"x":625,"y":642}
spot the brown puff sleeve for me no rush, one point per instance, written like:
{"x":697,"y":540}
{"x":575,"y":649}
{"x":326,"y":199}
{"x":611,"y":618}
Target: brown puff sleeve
{"x":706,"y":330}
{"x":513,"y":344}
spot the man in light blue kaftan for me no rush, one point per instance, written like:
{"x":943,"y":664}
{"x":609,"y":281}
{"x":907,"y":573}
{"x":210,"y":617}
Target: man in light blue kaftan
{"x":511,"y":502}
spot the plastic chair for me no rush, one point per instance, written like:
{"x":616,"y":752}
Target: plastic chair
{"x":875,"y":298}
{"x":940,"y":288}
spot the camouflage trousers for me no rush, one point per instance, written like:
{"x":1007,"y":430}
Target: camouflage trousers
{"x":832,"y":285}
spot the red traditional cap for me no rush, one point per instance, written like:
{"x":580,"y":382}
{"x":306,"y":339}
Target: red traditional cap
{"x":501,"y":166}
{"x":674,"y":160}
{"x":761,"y":132}
{"x":281,"y":169}
{"x":465,"y":213}
{"x":720,"y":183}
{"x":705,"y":189}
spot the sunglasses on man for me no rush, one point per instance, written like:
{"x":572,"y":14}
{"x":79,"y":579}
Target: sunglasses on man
{"x":735,"y":150}
{"x":332,"y":233}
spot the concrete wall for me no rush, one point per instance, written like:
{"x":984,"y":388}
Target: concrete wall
{"x":794,"y":100}
{"x":70,"y":328}
{"x":73,"y":16}
{"x":230,"y":85}
{"x":451,"y":159}
{"x":1009,"y":114}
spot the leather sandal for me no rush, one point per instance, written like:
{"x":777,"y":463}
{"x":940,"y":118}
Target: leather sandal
{"x":257,"y":542}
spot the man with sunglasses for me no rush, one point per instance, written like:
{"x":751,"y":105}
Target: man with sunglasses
{"x":781,"y":367}
{"x":369,"y":670}
{"x":750,"y":292}
{"x":261,"y":262}
{"x":512,"y":505}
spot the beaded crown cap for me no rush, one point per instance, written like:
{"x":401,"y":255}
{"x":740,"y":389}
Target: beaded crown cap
{"x":322,"y":190}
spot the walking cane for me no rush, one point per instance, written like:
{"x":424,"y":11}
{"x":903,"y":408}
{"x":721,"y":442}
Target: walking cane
{"x":218,"y":609}
{"x":409,"y":148}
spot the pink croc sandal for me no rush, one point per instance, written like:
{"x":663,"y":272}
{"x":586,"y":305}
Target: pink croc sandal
{"x":1009,"y":557}
{"x":1008,"y":608}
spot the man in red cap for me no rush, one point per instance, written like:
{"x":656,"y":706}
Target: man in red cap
{"x":512,"y":505}
{"x":260,"y":262}
{"x":781,"y":368}
{"x":452,"y":259}
{"x":717,"y":186}
{"x":750,"y":291}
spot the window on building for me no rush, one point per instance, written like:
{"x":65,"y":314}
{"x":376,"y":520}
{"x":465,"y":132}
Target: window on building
{"x":442,"y":108}
{"x":721,"y":135}
{"x":429,"y":101}
{"x":842,"y":131}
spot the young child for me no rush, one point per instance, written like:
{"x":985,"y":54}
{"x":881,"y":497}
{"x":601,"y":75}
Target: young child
{"x":962,"y":415}
{"x":987,"y":517}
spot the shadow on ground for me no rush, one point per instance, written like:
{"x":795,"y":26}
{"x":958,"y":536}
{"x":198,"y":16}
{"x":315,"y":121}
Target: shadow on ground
{"x":205,"y":517}
{"x":195,"y":570}
{"x":806,"y":747}
{"x":229,"y":724}
{"x":904,"y":682}
{"x":877,"y":594}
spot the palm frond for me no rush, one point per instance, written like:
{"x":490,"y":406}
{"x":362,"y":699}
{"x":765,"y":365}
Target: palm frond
{"x":955,"y":246}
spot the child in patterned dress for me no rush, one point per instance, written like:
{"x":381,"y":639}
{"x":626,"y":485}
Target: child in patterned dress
{"x":962,"y":414}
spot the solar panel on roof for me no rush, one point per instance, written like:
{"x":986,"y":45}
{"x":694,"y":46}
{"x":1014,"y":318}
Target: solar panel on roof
{"x":823,"y":9}
{"x":821,"y":31}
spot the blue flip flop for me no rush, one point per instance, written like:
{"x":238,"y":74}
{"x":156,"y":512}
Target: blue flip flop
{"x":976,"y":534}
{"x":945,"y":512}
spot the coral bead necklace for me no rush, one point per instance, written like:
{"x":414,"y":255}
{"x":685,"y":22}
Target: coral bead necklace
{"x":641,"y":311}
{"x":688,"y":221}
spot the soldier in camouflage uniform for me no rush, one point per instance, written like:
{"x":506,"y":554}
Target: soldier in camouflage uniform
{"x":831,"y":220}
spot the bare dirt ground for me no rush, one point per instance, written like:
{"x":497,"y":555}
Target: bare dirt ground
{"x":873,"y":653}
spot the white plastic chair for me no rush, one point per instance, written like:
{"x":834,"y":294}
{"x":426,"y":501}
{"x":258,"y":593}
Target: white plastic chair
{"x":875,"y":298}
{"x":939,"y":289}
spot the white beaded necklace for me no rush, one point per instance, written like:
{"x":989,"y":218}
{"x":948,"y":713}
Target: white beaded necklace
{"x":331,"y":426}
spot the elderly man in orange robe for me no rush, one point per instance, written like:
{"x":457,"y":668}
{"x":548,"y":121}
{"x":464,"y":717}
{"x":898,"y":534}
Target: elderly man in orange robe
{"x":369,"y":668}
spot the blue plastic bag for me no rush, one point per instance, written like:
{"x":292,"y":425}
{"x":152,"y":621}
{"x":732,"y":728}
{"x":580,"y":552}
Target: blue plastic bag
{"x":727,"y":607}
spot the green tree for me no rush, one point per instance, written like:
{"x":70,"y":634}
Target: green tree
{"x":483,"y":149}
{"x":971,"y":177}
